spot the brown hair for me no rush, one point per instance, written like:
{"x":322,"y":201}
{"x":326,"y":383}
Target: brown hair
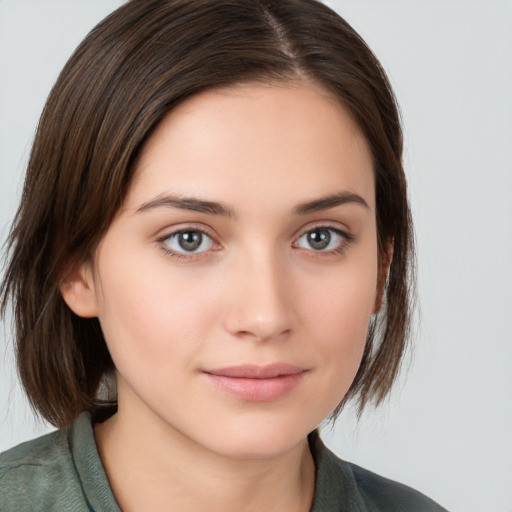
{"x":128,"y":73}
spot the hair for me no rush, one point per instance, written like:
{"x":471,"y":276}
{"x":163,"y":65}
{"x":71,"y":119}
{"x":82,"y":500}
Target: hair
{"x":129,"y":72}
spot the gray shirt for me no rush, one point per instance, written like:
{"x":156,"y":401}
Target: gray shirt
{"x":62,"y":471}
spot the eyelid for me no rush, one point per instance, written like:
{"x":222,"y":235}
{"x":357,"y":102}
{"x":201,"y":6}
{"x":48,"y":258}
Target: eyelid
{"x":348,"y":237}
{"x":343,"y":230}
{"x":183,"y":228}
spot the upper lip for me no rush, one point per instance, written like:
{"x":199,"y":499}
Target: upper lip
{"x":252,"y":371}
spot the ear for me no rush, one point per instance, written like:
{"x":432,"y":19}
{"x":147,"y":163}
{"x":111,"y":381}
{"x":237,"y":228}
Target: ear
{"x":382,"y":276}
{"x":79,"y":293}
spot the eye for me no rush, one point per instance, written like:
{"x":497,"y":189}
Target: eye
{"x":188,"y":241}
{"x":323,"y":239}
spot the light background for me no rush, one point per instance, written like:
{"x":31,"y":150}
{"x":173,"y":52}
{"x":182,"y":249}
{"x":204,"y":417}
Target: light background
{"x":448,"y":431}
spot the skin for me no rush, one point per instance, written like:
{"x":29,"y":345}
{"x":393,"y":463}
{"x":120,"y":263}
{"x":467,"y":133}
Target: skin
{"x":257,"y":293}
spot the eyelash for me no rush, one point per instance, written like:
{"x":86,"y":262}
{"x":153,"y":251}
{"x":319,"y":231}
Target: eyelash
{"x":347,"y":239}
{"x":182,"y":255}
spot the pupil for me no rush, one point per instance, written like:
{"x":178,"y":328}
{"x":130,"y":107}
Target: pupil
{"x":190,"y":240}
{"x":319,"y":239}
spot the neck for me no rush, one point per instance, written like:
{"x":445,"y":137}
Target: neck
{"x":151,"y":467}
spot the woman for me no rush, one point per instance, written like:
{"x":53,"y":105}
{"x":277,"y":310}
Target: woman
{"x":212,"y":254}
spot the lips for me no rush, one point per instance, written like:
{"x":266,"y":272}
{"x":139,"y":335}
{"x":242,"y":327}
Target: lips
{"x":257,"y":383}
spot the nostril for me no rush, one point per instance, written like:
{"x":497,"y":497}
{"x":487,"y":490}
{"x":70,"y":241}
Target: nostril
{"x":259,"y":329}
{"x":260,"y":305}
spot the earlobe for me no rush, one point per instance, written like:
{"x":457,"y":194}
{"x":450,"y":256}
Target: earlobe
{"x":384,"y":264}
{"x":78,"y":292}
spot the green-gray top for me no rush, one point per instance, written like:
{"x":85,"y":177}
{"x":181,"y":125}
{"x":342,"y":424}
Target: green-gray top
{"x":62,"y":471}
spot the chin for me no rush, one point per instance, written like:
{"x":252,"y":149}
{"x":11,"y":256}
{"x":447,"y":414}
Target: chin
{"x":258,"y":440}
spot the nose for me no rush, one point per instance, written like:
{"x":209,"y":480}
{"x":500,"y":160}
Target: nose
{"x":261,"y":306}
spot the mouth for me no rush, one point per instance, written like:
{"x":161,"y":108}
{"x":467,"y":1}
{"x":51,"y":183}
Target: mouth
{"x":255,"y":383}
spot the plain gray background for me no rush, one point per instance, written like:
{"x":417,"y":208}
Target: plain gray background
{"x":448,"y":430}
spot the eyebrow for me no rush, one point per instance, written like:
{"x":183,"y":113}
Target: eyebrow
{"x":217,"y":208}
{"x":187,"y":203}
{"x":325,"y":203}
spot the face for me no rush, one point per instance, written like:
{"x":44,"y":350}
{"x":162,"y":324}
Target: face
{"x":235,"y":285}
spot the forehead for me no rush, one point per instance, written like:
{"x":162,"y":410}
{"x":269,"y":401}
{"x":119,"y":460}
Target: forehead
{"x":280,"y":141}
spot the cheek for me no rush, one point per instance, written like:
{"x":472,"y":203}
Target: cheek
{"x":340,"y":311}
{"x":343,"y":299}
{"x":156,"y":315}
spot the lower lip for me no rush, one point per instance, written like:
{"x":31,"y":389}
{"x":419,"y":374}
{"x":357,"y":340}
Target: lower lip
{"x":257,"y":390}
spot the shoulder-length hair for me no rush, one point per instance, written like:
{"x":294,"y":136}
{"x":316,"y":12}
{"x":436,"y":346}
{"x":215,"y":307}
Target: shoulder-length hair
{"x":123,"y":79}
